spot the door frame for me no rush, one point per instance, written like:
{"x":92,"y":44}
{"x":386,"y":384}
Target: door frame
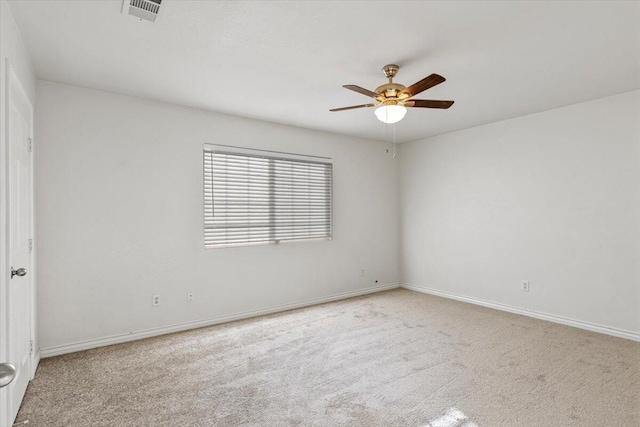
{"x":12,"y":82}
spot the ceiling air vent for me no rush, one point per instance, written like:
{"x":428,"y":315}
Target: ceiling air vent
{"x":143,"y":9}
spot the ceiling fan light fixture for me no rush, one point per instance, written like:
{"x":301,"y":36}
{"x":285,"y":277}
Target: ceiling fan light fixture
{"x":390,"y":113}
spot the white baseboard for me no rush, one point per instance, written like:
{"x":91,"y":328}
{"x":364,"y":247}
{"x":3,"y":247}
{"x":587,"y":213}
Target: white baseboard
{"x":147,"y":333}
{"x":36,"y":362}
{"x":620,"y":333}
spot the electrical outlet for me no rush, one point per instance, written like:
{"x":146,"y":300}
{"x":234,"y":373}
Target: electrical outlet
{"x":526,"y":287}
{"x":362,"y":272}
{"x":155,"y":301}
{"x":190,"y":296}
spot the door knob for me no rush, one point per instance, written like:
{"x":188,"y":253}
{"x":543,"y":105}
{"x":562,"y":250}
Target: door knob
{"x":7,"y":374}
{"x":19,"y":272}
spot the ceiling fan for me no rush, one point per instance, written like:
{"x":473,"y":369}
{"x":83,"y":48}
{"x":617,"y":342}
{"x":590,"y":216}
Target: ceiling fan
{"x":393,"y":99}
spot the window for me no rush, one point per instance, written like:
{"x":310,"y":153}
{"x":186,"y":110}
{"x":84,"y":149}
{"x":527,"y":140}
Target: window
{"x":262,"y":197}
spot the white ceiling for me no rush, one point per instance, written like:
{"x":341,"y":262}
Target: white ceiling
{"x":285,"y":62}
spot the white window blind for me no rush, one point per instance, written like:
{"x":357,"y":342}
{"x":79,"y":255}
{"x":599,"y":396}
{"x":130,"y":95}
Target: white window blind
{"x":255,"y":197}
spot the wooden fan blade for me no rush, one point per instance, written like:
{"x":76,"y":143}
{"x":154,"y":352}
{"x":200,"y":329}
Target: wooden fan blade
{"x":362,"y":90}
{"x":424,"y":84}
{"x":428,"y":103}
{"x":353,"y":107}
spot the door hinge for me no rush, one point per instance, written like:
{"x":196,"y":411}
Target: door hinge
{"x":30,"y":347}
{"x":30,"y":145}
{"x":30,"y":245}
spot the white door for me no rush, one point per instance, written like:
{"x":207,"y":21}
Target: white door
{"x":20,"y":295}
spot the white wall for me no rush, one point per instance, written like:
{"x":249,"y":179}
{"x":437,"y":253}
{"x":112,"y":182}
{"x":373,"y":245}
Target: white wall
{"x":14,"y":53}
{"x":121,"y":217}
{"x":553,"y":198}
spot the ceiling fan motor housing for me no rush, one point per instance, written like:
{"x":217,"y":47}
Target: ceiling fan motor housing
{"x":391,"y":91}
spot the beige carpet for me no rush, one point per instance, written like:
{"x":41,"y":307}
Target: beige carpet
{"x":397,"y":358}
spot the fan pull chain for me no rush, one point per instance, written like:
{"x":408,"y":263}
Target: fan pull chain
{"x":386,"y":134}
{"x":394,"y":140}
